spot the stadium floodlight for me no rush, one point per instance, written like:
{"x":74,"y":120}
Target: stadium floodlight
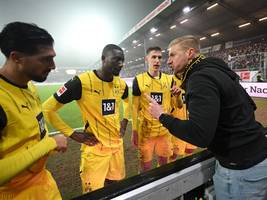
{"x":212,"y":6}
{"x":243,"y":25}
{"x":126,"y":51}
{"x":215,"y":34}
{"x":262,"y":19}
{"x":202,"y":38}
{"x":157,"y":35}
{"x":185,"y":20}
{"x":151,"y":38}
{"x":139,"y":44}
{"x":135,"y":41}
{"x":173,"y":27}
{"x":186,"y":9}
{"x":153,"y":30}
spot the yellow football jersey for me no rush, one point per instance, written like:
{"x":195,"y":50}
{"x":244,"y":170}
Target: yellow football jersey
{"x":25,"y":124}
{"x":181,"y":113}
{"x":160,"y":90}
{"x":24,"y":142}
{"x":99,"y":102}
{"x":100,"y":106}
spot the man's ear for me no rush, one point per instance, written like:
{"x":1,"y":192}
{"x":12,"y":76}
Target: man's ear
{"x":15,"y":56}
{"x":191,"y":53}
{"x":146,"y":58}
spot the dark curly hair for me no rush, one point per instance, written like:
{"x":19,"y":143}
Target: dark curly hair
{"x":23,"y":37}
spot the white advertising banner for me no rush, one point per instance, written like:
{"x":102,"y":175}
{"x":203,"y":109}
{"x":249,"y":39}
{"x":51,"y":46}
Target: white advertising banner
{"x":255,"y":89}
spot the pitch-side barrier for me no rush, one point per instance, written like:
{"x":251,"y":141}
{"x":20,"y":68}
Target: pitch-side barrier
{"x":167,"y":182}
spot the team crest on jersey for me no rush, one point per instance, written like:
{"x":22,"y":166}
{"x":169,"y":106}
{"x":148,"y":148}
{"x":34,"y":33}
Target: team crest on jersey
{"x":165,"y":85}
{"x":61,"y":90}
{"x":116,"y":89}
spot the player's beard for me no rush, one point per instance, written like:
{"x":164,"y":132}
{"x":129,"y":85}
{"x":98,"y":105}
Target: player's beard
{"x":38,"y":78}
{"x":116,"y":71}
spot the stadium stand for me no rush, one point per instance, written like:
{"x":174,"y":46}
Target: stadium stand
{"x":250,"y":54}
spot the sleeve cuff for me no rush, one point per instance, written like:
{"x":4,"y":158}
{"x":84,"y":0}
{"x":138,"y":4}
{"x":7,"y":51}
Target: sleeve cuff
{"x":51,"y":143}
{"x":164,"y":119}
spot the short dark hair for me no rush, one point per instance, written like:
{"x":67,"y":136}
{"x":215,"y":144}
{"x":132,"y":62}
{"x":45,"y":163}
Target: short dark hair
{"x":108,"y":48}
{"x":23,"y":37}
{"x":155,"y":48}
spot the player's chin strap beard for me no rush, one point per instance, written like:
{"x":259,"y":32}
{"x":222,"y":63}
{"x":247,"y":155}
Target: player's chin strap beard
{"x":190,"y":66}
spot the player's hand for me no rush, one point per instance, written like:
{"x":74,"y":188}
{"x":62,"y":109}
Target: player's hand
{"x":154,"y":108}
{"x":84,"y":137}
{"x":176,"y":91}
{"x":62,"y":142}
{"x":123,"y":126}
{"x":135,"y":138}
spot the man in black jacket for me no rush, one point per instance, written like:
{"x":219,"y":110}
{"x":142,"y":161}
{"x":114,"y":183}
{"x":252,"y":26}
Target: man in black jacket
{"x":221,"y":118}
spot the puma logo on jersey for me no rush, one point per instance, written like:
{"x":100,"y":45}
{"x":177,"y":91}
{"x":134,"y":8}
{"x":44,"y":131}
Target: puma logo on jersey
{"x":97,"y":91}
{"x":147,"y":85}
{"x":25,"y":106}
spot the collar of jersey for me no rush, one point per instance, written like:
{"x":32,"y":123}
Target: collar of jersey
{"x":154,"y":77}
{"x":14,"y":84}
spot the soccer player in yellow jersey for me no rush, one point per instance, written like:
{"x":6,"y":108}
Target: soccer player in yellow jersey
{"x":148,"y":134}
{"x":99,"y":94}
{"x":180,"y":147}
{"x":24,"y":140}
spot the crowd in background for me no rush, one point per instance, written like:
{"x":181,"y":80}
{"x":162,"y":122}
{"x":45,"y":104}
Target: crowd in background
{"x":247,"y":55}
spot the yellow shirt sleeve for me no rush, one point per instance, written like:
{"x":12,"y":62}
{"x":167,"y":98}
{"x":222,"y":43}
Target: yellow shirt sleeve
{"x":50,"y":108}
{"x":136,"y":102}
{"x":126,"y":108}
{"x":17,"y":163}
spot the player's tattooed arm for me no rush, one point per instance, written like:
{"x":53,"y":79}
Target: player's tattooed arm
{"x":84,"y":137}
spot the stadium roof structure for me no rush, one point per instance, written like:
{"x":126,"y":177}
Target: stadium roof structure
{"x":214,"y":22}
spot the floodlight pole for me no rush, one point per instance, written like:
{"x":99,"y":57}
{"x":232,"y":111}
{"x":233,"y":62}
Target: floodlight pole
{"x":145,"y":47}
